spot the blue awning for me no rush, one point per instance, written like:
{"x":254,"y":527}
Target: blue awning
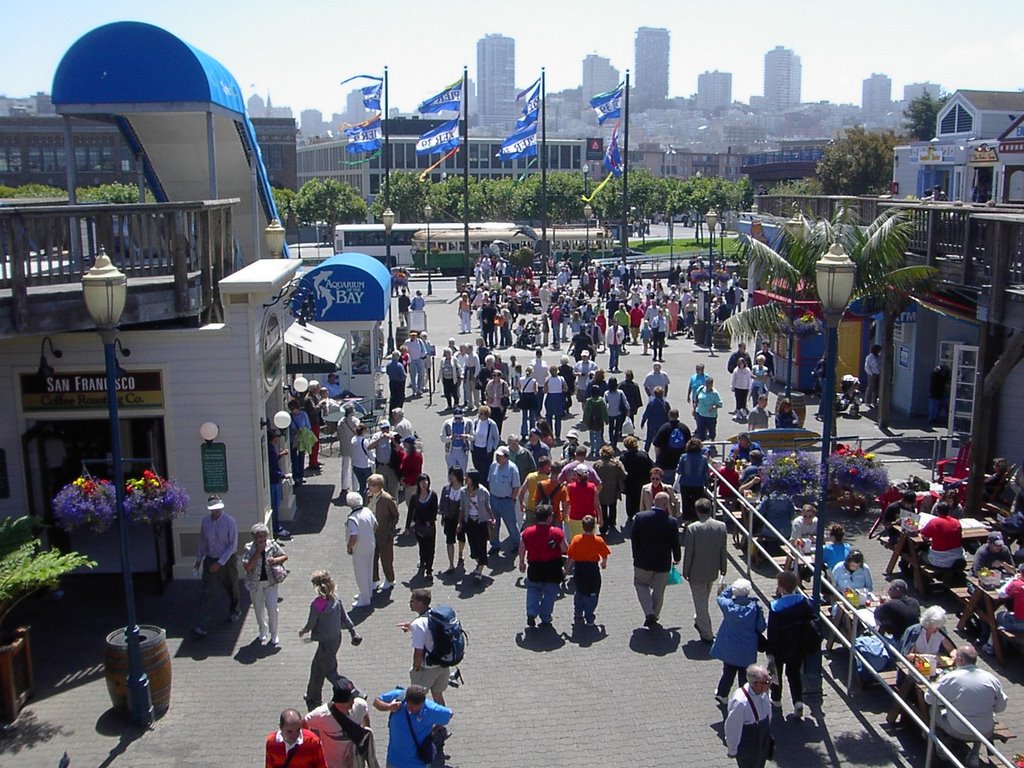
{"x":344,"y":288}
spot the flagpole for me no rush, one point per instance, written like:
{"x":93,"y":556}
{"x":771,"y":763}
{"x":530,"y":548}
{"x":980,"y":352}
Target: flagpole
{"x":387,"y":148}
{"x":544,"y":245}
{"x":625,"y":174}
{"x":465,"y":169}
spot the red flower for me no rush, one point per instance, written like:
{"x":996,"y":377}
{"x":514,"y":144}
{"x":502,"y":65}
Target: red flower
{"x":853,"y":471}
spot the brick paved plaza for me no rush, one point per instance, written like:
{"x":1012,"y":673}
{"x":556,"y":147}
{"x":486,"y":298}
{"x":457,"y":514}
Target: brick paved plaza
{"x":613,"y":694}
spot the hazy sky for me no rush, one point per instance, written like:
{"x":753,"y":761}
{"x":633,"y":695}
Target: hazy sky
{"x":299,"y":50}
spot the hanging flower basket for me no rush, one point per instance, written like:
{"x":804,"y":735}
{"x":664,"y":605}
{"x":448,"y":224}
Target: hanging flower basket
{"x":857,"y":472}
{"x":794,"y":473}
{"x":806,"y":325}
{"x":85,"y":503}
{"x":154,"y":499}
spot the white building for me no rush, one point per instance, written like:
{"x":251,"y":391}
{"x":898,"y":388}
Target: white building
{"x":496,"y":80}
{"x":714,"y":90}
{"x":599,"y":76}
{"x":876,"y":95}
{"x":782,"y":75}
{"x":651,"y":49}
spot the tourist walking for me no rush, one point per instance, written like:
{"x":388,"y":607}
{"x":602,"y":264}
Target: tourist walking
{"x":327,"y":617}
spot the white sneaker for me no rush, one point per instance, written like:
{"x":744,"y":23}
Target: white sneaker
{"x":275,"y":641}
{"x":386,"y":585}
{"x":376,"y":584}
{"x":798,"y":709}
{"x":262,"y":639}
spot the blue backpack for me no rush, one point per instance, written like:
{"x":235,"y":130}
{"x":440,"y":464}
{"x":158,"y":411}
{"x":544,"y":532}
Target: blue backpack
{"x":677,"y":439}
{"x":448,"y":635}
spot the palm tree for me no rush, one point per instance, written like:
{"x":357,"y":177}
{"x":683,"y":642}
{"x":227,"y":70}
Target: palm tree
{"x":884,"y":283}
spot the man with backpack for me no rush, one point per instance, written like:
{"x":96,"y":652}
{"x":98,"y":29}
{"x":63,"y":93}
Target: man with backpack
{"x":412,"y":725}
{"x":438,"y":642}
{"x":669,"y":444}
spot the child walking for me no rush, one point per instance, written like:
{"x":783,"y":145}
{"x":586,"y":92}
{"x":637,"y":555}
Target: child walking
{"x":588,"y":555}
{"x":326,"y":618}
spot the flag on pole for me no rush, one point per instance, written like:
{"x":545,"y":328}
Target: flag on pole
{"x":440,"y":139}
{"x":532,"y":106}
{"x":448,"y":100}
{"x":608,"y":105}
{"x":612,"y":157}
{"x":363,"y":137}
{"x":522,"y":143}
{"x":371,"y":93}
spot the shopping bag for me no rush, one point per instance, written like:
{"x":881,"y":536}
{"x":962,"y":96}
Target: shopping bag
{"x":674,"y":577}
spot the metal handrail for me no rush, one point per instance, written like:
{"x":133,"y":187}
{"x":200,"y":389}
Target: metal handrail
{"x":715,"y":478}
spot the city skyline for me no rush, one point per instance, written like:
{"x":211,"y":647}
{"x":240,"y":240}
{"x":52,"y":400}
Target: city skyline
{"x":336,"y":46}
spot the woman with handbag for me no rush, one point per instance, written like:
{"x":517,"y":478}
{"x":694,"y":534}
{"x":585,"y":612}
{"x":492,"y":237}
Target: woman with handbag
{"x":449,"y":505}
{"x":475,"y":519}
{"x":264,"y":561}
{"x":424,"y":508}
{"x":739,"y":636}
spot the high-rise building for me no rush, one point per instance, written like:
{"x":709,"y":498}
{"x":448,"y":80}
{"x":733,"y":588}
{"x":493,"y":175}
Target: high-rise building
{"x":496,"y":79}
{"x":599,"y":76}
{"x":355,"y":112}
{"x":714,"y":90}
{"x":917,"y":90}
{"x":876,"y":95}
{"x":311,"y":122}
{"x":256,"y":106}
{"x":781,"y":79}
{"x":651,"y":56}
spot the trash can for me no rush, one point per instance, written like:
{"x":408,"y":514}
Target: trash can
{"x":799,"y":401}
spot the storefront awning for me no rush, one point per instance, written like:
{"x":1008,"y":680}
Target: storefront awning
{"x":316,"y":341}
{"x":347,"y":287}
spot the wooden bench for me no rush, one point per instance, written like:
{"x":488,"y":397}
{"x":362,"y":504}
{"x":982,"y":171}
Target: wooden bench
{"x":783,"y":439}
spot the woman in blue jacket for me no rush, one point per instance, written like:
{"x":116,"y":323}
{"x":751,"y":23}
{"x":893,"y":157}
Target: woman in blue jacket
{"x":736,"y":642}
{"x":692,"y":478}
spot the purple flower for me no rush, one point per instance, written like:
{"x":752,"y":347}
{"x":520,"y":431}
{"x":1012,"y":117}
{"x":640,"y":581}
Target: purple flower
{"x":792,"y":473}
{"x":862,"y":474}
{"x":85,"y":503}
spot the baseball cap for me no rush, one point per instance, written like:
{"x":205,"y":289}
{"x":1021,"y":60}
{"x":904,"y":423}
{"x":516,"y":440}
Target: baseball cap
{"x":457,"y":412}
{"x":503,"y":451}
{"x":344,"y":691}
{"x":409,"y":439}
{"x":995,"y":537}
{"x":214,"y":502}
{"x":581,"y":469}
{"x":572,"y":434}
{"x":383,"y":423}
{"x":898,"y":584}
{"x":585,"y":353}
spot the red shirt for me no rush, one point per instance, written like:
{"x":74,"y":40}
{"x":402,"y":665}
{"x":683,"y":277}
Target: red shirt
{"x":412,"y":467}
{"x":581,"y":500}
{"x":1015,"y":592}
{"x":601,"y":322}
{"x":732,"y":477}
{"x":636,"y":316}
{"x":944,"y":532}
{"x":543,"y":542}
{"x":308,"y":754}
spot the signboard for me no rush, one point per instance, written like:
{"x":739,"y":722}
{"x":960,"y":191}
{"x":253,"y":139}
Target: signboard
{"x":78,"y":391}
{"x":983,"y":155}
{"x":349,"y":287}
{"x":595,"y":149}
{"x":215,"y":467}
{"x":933,"y":155}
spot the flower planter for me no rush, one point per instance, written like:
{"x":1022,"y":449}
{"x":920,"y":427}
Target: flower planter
{"x":15,"y":674}
{"x":156,"y":663}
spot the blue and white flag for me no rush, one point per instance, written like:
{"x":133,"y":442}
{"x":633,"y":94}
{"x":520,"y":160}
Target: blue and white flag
{"x":448,"y":100}
{"x":522,"y":143}
{"x":612,"y":157}
{"x":363,"y":137}
{"x":608,"y":105}
{"x":441,"y":139}
{"x":532,"y":106}
{"x":371,"y":93}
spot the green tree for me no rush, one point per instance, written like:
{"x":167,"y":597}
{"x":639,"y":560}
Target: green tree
{"x":408,"y":197}
{"x":330,"y":201}
{"x":920,"y":116}
{"x":116,"y":193}
{"x":37,"y":190}
{"x":285,"y":201}
{"x":795,"y":187}
{"x":884,"y":283}
{"x":858,"y":164}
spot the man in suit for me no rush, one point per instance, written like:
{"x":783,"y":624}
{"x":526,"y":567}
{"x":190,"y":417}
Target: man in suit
{"x":655,"y":543}
{"x":704,"y":560}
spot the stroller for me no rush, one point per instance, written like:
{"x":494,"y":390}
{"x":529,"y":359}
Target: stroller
{"x":528,"y":335}
{"x":849,"y":396}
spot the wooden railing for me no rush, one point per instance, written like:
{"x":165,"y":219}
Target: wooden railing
{"x":184,"y":246}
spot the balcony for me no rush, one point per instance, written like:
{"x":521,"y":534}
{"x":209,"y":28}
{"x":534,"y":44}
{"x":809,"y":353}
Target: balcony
{"x":174,"y":255}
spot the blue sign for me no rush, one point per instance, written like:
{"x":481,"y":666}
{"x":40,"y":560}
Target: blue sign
{"x":348,"y":287}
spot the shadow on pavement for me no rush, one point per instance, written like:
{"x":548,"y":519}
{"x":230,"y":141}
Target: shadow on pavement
{"x":27,"y":732}
{"x":313,"y":505}
{"x":254,"y":651}
{"x":697,"y":649}
{"x":540,"y":639}
{"x":655,"y":642}
{"x":112,"y":723}
{"x":585,"y":635}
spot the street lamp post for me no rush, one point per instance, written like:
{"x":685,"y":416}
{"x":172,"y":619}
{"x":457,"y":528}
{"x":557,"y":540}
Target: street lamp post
{"x":388,"y":217}
{"x":712,"y":219}
{"x":835,"y":274}
{"x":794,"y":227}
{"x":104,"y":288}
{"x":588,"y":212}
{"x":427,"y":211}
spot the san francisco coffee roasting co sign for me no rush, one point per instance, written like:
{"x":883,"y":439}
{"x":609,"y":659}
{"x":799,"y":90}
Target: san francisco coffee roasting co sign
{"x":88,"y":390}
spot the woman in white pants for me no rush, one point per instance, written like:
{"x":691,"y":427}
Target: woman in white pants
{"x":360,"y":530}
{"x":263,"y":561}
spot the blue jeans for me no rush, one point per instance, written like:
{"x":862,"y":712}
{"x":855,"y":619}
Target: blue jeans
{"x":585,"y":605}
{"x":362,"y":474}
{"x":417,"y":373}
{"x":613,"y":356}
{"x":555,"y":404}
{"x":505,"y":512}
{"x":275,"y":506}
{"x":530,"y":411}
{"x":706,"y":427}
{"x":555,"y":329}
{"x":540,"y":598}
{"x":596,"y":441}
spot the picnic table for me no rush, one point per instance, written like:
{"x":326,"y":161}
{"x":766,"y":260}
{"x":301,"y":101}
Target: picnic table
{"x":982,"y":602}
{"x":910,"y":542}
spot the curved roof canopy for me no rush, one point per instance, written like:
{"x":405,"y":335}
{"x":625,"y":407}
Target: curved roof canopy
{"x":347,"y":287}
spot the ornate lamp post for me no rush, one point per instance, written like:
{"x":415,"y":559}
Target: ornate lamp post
{"x":835,"y":274}
{"x":588,"y":214}
{"x":794,"y":227}
{"x":104,"y":288}
{"x":388,"y":217}
{"x":273,"y":235}
{"x":427,"y":211}
{"x":712,"y":220}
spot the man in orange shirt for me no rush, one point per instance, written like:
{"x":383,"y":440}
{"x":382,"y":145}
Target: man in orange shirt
{"x":290,"y":738}
{"x":589,"y":555}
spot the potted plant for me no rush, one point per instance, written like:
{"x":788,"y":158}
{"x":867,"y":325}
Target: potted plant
{"x":24,"y":568}
{"x":86,"y":502}
{"x":806,"y":326}
{"x":792,"y":473}
{"x":154,"y":499}
{"x":855,"y":477}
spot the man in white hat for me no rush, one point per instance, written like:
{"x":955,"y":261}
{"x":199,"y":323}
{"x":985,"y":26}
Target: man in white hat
{"x":360,"y":531}
{"x":584,"y":371}
{"x":455,"y":437}
{"x":217,"y":560}
{"x":503,"y":482}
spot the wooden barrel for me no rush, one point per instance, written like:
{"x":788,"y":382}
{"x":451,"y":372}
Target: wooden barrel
{"x":799,"y":401}
{"x":156,"y":663}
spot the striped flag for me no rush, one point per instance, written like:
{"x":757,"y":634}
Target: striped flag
{"x":608,"y":105}
{"x":448,"y":100}
{"x":440,"y":139}
{"x":612,"y":157}
{"x":532,"y":106}
{"x":363,"y":137}
{"x":371,"y":93}
{"x":522,"y":143}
